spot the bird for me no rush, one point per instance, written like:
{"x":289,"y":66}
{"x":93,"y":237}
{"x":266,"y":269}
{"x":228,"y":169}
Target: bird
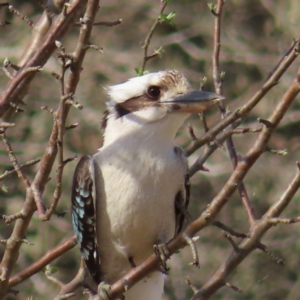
{"x":134,"y":192}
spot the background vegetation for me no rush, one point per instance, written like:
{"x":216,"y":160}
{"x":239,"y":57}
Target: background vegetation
{"x":254,"y":37}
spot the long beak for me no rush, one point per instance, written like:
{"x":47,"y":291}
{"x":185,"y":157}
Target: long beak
{"x":193,"y":102}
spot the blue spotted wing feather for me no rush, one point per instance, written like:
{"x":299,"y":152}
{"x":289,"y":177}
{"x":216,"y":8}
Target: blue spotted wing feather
{"x":83,"y":214}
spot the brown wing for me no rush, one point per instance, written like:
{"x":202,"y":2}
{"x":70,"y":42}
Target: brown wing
{"x":83,"y":214}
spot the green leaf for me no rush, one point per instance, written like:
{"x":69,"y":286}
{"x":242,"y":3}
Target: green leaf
{"x":211,"y":6}
{"x":139,"y":72}
{"x":169,"y":18}
{"x":51,"y":269}
{"x":159,"y":51}
{"x":4,"y":188}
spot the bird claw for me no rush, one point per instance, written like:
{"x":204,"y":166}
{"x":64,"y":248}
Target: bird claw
{"x":104,"y":291}
{"x":162,"y":251}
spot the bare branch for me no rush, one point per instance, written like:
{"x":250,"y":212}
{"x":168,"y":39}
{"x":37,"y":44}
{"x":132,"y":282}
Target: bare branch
{"x":41,"y":263}
{"x":246,"y":108}
{"x":19,"y":14}
{"x":229,"y":230}
{"x":274,"y":257}
{"x":43,"y":39}
{"x":258,"y":229}
{"x":14,"y":161}
{"x":218,"y":80}
{"x":231,"y":241}
{"x":149,"y":36}
{"x":77,"y":281}
{"x":29,"y":163}
{"x":275,"y":221}
{"x":103,"y":23}
{"x":45,"y":43}
{"x":11,"y":218}
{"x":233,"y":287}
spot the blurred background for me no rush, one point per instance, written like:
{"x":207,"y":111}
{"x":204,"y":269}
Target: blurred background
{"x":255,"y":35}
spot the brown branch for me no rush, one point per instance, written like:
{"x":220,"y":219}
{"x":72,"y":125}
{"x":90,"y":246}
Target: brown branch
{"x":150,"y":34}
{"x":14,"y":161}
{"x":231,"y":241}
{"x":42,"y":262}
{"x":243,"y":111}
{"x":218,"y":88}
{"x":192,"y":287}
{"x":229,"y":230}
{"x":60,"y":124}
{"x":233,"y":287}
{"x":274,"y":257}
{"x":4,"y":23}
{"x":38,"y":51}
{"x":259,"y":227}
{"x":108,"y":24}
{"x":20,"y":15}
{"x":211,"y":148}
{"x":203,"y":119}
{"x":103,"y":23}
{"x":41,"y":54}
{"x":49,"y":10}
{"x":68,"y":289}
{"x":11,"y":218}
{"x":275,"y":221}
{"x":216,"y":52}
{"x":29,"y":163}
{"x":246,"y":130}
{"x":5,"y":69}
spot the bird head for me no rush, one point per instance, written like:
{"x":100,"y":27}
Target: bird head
{"x":164,"y":98}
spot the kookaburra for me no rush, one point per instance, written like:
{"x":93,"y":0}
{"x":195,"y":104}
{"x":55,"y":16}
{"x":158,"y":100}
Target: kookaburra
{"x":133,"y":193}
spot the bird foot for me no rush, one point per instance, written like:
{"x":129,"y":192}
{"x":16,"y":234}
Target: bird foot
{"x":162,"y":251}
{"x":104,"y":291}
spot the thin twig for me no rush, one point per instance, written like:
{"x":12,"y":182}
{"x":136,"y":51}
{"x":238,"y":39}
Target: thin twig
{"x":243,"y":111}
{"x":19,"y":14}
{"x":218,"y":81}
{"x":77,"y":281}
{"x":103,"y":23}
{"x":274,"y":257}
{"x":42,"y":262}
{"x":29,"y":163}
{"x":41,"y":48}
{"x":14,"y":161}
{"x":229,"y":230}
{"x":150,"y":34}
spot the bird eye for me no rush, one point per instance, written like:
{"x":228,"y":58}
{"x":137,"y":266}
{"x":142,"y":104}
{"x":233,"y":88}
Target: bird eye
{"x":153,"y":92}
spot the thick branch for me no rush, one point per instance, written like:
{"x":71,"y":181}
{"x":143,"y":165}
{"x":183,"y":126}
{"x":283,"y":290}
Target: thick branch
{"x":41,"y":263}
{"x":37,"y":53}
